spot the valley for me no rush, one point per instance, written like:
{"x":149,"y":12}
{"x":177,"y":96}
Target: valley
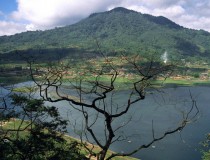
{"x":121,"y":79}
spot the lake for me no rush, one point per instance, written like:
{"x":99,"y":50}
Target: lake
{"x":165,"y":108}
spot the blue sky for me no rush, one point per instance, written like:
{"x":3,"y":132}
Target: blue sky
{"x":21,"y":15}
{"x":7,"y":6}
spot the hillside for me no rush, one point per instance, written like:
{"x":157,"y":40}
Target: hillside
{"x":117,"y":30}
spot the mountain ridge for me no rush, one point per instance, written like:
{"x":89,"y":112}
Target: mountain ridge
{"x":116,"y":30}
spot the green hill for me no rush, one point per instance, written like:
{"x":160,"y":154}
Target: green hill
{"x":117,"y":30}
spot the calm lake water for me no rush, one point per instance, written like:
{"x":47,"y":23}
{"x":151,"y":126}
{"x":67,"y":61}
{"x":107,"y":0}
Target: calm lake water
{"x":166,"y":109}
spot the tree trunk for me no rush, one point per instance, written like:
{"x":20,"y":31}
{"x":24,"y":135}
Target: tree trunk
{"x":102,"y":155}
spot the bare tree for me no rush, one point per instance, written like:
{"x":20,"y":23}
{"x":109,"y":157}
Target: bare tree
{"x":91,"y":88}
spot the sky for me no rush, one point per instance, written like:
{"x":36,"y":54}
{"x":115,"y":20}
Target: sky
{"x":26,"y":15}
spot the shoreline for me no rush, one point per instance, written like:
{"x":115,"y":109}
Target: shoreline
{"x":69,"y":138}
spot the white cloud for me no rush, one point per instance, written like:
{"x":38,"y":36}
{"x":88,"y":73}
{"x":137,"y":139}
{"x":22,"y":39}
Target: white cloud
{"x":188,"y":13}
{"x":200,"y":8}
{"x":45,"y":14}
{"x":50,"y":13}
{"x":160,"y":3}
{"x":31,"y":27}
{"x":194,"y":22}
{"x":170,"y":12}
{"x":9,"y":28}
{"x":151,"y":4}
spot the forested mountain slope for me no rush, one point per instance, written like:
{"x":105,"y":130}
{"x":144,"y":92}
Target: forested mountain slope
{"x":117,"y":30}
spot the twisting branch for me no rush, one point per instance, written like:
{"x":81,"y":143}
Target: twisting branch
{"x":169,"y":132}
{"x":89,"y":92}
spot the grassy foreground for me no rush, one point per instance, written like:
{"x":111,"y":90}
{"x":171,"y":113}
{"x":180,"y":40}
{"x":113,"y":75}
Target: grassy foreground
{"x":16,"y":123}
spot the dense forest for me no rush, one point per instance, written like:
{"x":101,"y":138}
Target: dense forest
{"x":118,"y":30}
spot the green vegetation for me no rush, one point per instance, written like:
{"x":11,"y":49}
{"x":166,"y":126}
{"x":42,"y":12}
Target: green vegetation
{"x":16,"y":123}
{"x":11,"y":73}
{"x":206,"y":155}
{"x":206,"y":144}
{"x":37,"y":138}
{"x":24,"y":89}
{"x":119,"y":34}
{"x":118,"y":30}
{"x":33,"y":136}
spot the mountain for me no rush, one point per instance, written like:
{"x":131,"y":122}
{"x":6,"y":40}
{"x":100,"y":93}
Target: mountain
{"x":116,"y":30}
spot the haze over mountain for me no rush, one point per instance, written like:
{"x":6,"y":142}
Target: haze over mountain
{"x":117,"y":30}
